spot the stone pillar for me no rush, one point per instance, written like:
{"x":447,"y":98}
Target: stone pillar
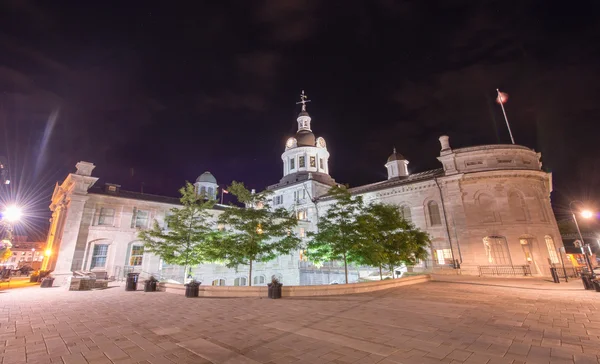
{"x":68,"y":229}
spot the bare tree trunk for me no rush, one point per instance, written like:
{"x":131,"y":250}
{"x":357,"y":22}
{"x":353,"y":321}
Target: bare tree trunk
{"x":380,"y":273}
{"x":346,"y":268}
{"x":250,"y":275}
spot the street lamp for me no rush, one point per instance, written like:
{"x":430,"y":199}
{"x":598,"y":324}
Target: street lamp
{"x":586,"y":214}
{"x":12,"y":214}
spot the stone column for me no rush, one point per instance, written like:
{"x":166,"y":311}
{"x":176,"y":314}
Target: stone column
{"x":68,"y":229}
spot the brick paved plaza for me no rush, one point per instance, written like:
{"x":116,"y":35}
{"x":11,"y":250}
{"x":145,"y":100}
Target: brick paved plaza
{"x":457,"y":321}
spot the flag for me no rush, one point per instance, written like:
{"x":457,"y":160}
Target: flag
{"x":502,"y":97}
{"x":224,"y":190}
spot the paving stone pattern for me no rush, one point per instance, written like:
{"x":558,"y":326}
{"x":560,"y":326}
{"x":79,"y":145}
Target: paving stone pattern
{"x":456,"y":321}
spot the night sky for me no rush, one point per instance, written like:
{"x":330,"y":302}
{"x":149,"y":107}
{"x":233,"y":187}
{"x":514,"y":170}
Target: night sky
{"x":155,"y":93}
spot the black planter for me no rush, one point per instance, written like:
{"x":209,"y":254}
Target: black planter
{"x":132,"y":281}
{"x":150,"y":286}
{"x":274,"y":290}
{"x":47,"y":282}
{"x":586,"y":278}
{"x":192,"y":289}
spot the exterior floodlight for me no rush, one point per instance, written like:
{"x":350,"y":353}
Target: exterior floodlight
{"x":12,"y":213}
{"x":586,"y":214}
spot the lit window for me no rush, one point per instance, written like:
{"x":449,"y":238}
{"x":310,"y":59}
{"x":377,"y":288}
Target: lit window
{"x":140,"y":218}
{"x":112,"y":188}
{"x":292,"y":163}
{"x":497,"y":250}
{"x":99,"y":256}
{"x":107,"y":216}
{"x":302,"y":215}
{"x":313,"y":161}
{"x":434,"y":214}
{"x":137,"y":253}
{"x":240,"y":281}
{"x":302,"y":233}
{"x":259,"y":280}
{"x":301,"y":163}
{"x":551,"y":249}
{"x":221,"y":227}
{"x":218,"y":282}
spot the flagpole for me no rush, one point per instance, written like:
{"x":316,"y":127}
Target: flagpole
{"x":505,"y":118}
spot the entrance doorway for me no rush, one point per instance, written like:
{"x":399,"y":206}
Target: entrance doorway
{"x":526,"y":246}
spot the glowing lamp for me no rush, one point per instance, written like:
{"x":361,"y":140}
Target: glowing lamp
{"x":48,"y":252}
{"x":12,"y":213}
{"x":586,"y":214}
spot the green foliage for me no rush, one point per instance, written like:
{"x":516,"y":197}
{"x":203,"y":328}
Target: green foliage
{"x":388,"y":239}
{"x":338,"y":230}
{"x":190,"y":232}
{"x":375,"y":235}
{"x":254,"y":233}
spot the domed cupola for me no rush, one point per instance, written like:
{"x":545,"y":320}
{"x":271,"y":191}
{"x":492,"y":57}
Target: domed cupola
{"x":206,"y":185}
{"x":305,"y":155}
{"x":397,"y":165}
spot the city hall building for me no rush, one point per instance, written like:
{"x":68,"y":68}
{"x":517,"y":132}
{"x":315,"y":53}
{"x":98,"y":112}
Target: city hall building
{"x":487,"y":209}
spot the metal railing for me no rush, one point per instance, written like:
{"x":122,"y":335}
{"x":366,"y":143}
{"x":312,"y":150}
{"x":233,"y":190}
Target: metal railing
{"x":571,"y":272}
{"x":504,"y":270}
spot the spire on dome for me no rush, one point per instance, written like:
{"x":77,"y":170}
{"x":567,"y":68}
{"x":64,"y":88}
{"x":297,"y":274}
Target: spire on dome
{"x":303,"y":101}
{"x":303,"y":118}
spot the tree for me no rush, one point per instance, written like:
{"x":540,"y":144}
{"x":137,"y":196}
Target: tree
{"x":337,"y":236}
{"x":386,"y":238}
{"x":254,"y":233}
{"x":188,"y":232}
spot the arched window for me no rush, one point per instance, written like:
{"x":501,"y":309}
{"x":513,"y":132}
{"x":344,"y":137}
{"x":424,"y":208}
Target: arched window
{"x":211,"y":193}
{"x":434,"y":214}
{"x":258,"y":280}
{"x":516,"y":205}
{"x":551,"y":249}
{"x":202,"y":190}
{"x":405,"y":212}
{"x":487,"y":208}
{"x":496,"y":250}
{"x":218,"y":282}
{"x":239,"y":281}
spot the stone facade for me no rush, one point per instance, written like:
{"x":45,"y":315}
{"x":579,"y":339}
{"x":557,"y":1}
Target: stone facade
{"x":487,"y":206}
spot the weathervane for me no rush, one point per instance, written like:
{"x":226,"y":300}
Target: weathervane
{"x":303,"y":100}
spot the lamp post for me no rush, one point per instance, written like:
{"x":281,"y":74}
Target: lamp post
{"x":586,"y":214}
{"x":11,"y":215}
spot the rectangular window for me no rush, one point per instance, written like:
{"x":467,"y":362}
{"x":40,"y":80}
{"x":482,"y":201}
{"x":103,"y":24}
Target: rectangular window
{"x":301,"y":233}
{"x":321,"y":164}
{"x":140,"y":218}
{"x":302,"y":215}
{"x":99,"y":256}
{"x":301,"y":163}
{"x":278,"y":200}
{"x":292,"y":163}
{"x":313,"y":162}
{"x":137,"y":253}
{"x":107,"y":216}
